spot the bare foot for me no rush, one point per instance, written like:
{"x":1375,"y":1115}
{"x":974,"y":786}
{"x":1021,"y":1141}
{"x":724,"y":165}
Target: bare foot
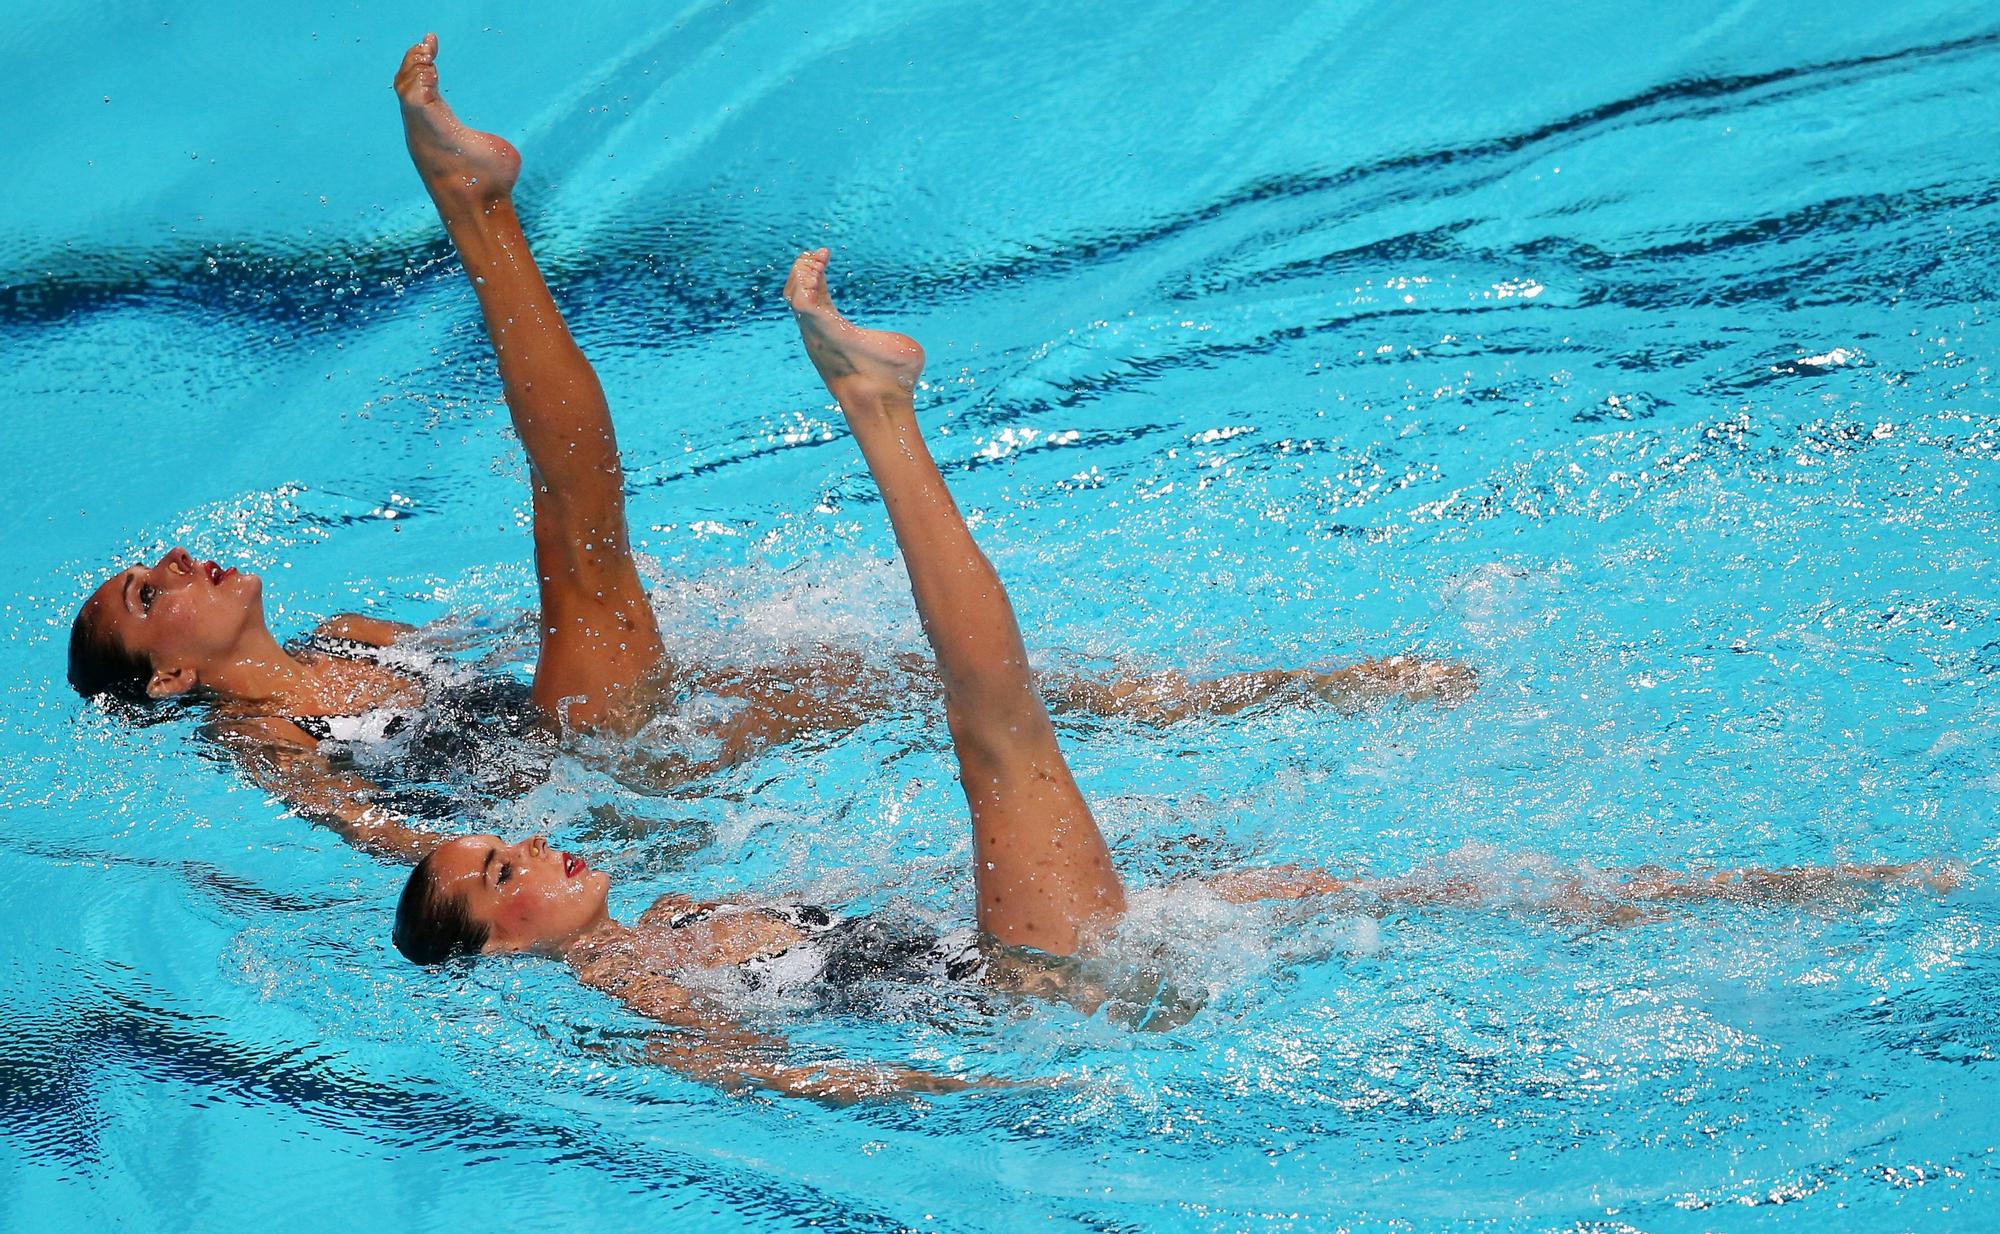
{"x":458,"y":164}
{"x":852,"y":361}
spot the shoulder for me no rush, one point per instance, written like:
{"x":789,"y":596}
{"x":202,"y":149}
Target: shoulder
{"x":617,"y":972}
{"x":260,"y":732}
{"x":665,"y":909}
{"x":366,"y":631}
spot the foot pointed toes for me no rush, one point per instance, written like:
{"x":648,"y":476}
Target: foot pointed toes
{"x":808,"y":277}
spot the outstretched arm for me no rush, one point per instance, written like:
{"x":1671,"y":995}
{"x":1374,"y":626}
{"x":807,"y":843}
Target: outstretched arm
{"x":1042,"y":870}
{"x":288,"y":765}
{"x":708,"y":1046}
{"x":599,"y":638}
{"x":1620,"y":897}
{"x":1170,"y":697}
{"x":831,"y":690}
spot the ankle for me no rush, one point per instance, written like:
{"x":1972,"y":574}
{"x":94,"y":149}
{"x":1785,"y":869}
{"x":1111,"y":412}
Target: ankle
{"x":484,"y":231}
{"x":473,"y":207}
{"x":872,"y":398}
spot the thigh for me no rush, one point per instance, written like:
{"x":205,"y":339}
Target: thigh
{"x":1041,"y":869}
{"x":600,"y":643}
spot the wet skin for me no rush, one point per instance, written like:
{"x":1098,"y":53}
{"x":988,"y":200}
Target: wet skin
{"x":180,"y":614}
{"x":530,"y":897}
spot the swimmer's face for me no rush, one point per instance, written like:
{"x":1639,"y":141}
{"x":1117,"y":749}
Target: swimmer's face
{"x":530,"y":897}
{"x":180,"y":615}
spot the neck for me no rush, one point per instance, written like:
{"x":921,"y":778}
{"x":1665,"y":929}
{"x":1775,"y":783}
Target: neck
{"x":259,"y":671}
{"x":605,"y":932}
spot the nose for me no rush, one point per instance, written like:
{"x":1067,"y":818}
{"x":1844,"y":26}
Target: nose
{"x":538,"y":845}
{"x":179,"y":559}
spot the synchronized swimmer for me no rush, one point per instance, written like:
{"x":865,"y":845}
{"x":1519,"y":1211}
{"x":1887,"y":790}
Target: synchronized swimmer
{"x":188,"y":629}
{"x":1045,"y":892}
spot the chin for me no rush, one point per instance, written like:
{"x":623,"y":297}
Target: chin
{"x":250,"y":591}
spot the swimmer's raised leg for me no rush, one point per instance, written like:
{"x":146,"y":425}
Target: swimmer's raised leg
{"x":1042,"y":870}
{"x":599,"y":638}
{"x":464,"y":169}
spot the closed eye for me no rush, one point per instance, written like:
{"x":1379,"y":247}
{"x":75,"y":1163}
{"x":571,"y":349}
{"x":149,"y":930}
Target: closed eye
{"x":506,"y":872}
{"x":146,"y":594}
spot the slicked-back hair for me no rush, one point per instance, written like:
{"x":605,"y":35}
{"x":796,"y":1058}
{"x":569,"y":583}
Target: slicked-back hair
{"x":431,"y":925}
{"x":100,"y":667}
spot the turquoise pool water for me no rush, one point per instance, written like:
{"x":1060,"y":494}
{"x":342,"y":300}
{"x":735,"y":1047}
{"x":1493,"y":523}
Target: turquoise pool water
{"x":1640,"y":359}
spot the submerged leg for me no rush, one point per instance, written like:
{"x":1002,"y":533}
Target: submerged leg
{"x":1041,"y":868}
{"x":599,"y":638}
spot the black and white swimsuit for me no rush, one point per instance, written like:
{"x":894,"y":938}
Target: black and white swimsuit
{"x":473,"y":733}
{"x":376,"y":724}
{"x":840,"y":953}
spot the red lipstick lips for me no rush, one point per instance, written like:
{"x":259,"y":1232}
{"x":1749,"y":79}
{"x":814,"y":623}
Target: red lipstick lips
{"x":572,"y":865}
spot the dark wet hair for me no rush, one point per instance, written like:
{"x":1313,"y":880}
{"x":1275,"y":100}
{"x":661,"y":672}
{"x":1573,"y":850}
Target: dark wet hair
{"x":431,"y":926}
{"x":100,"y":666}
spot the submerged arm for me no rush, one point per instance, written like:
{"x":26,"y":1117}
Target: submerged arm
{"x":711,"y":1047}
{"x":305,"y":781}
{"x":1275,"y":883}
{"x":1616,"y":897}
{"x":1169,"y":697}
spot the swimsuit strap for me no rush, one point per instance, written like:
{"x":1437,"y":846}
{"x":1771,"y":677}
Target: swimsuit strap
{"x":805,"y":918}
{"x":344,"y":648}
